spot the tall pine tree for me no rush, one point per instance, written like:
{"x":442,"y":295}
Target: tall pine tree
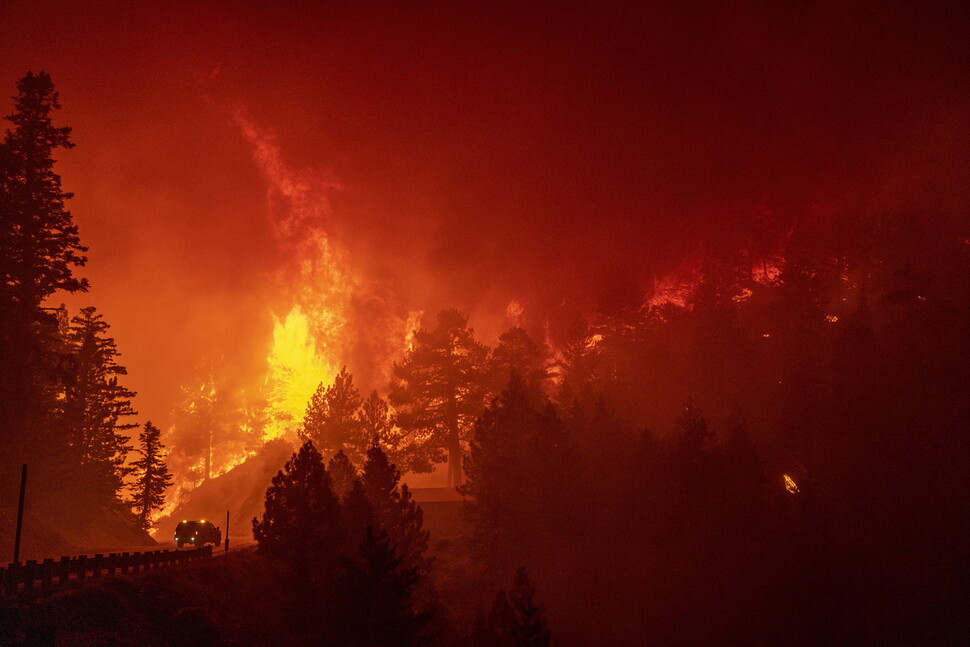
{"x":517,"y":471}
{"x":439,"y":391}
{"x":373,"y":605}
{"x":39,"y":251}
{"x":40,"y":242}
{"x":94,"y":410}
{"x":394,"y":510}
{"x":152,"y":477}
{"x":301,"y":519}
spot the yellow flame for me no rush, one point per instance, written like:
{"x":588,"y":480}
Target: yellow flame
{"x":295,"y":370}
{"x":790,"y":485}
{"x":411,"y":326}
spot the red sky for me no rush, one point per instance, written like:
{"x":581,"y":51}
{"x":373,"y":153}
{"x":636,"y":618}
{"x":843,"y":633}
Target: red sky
{"x":484,"y":153}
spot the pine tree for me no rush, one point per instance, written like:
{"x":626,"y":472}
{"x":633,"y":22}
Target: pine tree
{"x":94,"y":408}
{"x":194,"y":429}
{"x":39,"y":239}
{"x":152,"y":477}
{"x":375,"y":422}
{"x":300,"y":523}
{"x":517,"y":466}
{"x":395,"y":512}
{"x":40,"y":250}
{"x":439,"y":391}
{"x":516,"y":619}
{"x":373,"y":599}
{"x":517,"y":351}
{"x":531,"y":629}
{"x":342,"y":474}
{"x":331,"y":418}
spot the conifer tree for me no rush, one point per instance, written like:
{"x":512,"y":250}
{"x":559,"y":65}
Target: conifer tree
{"x":375,"y":420}
{"x":331,"y":418}
{"x":194,"y":427}
{"x":373,"y":606}
{"x":40,"y":242}
{"x":517,"y":351}
{"x":395,"y":512}
{"x":516,"y":619}
{"x":300,"y":523}
{"x":531,"y":629}
{"x":152,"y":477}
{"x":439,"y":391}
{"x":40,"y":251}
{"x":94,"y":409}
{"x":342,"y":474}
{"x":516,"y":466}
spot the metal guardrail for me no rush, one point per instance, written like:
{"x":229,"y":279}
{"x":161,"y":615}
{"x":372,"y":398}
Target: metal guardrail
{"x":32,"y":575}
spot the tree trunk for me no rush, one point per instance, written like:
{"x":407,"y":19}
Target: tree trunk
{"x":454,"y":444}
{"x":454,"y":462}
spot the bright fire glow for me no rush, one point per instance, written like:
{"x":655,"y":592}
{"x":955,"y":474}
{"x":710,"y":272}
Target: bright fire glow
{"x":295,"y":369}
{"x":790,"y":485}
{"x":315,"y":323}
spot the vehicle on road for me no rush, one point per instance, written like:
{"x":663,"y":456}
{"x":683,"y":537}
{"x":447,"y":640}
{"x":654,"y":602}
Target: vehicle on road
{"x":197,"y":534}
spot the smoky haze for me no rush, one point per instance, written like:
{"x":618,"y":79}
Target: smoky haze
{"x":543,"y":155}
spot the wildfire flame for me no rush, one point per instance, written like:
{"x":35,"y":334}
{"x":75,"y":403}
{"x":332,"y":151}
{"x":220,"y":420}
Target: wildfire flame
{"x":790,"y":485}
{"x":295,"y":369}
{"x":314,"y":318}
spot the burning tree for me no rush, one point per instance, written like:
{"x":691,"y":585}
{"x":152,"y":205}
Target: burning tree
{"x":152,"y":477}
{"x":439,"y":392}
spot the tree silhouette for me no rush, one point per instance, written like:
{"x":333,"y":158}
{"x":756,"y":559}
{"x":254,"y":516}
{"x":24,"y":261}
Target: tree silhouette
{"x":94,"y":408}
{"x":517,"y":351}
{"x":39,"y":251}
{"x":40,"y":242}
{"x":375,"y":420}
{"x":376,"y":423}
{"x":342,"y":474}
{"x":300,"y":523}
{"x":516,"y":467}
{"x":373,"y":606}
{"x":152,"y":477}
{"x":516,"y":619}
{"x":439,"y":390}
{"x":331,"y":420}
{"x":215,"y":424}
{"x":395,"y":512}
